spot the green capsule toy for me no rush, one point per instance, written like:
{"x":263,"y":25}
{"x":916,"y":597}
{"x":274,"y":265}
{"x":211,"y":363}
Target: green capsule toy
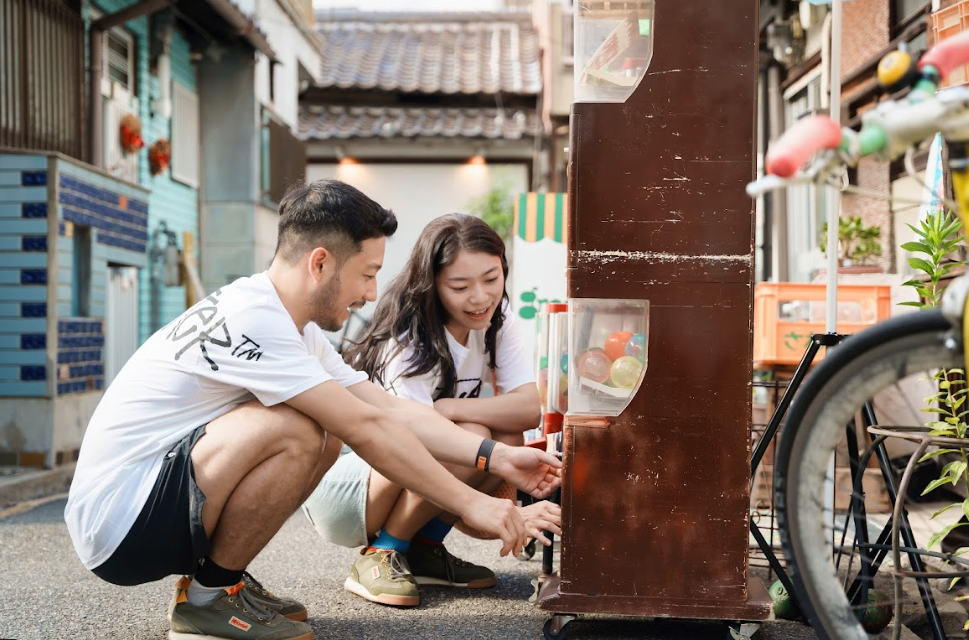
{"x":878,"y":613}
{"x":784,"y":606}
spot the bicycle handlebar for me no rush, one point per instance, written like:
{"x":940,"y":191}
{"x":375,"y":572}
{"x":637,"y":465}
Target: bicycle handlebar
{"x":808,"y":136}
{"x":889,"y":129}
{"x":947,"y":55}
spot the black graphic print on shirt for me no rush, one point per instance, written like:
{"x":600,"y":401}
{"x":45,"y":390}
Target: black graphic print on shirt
{"x":465,"y":388}
{"x":205,"y":323}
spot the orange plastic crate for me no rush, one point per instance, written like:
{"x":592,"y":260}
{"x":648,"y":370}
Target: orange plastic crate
{"x":949,"y":22}
{"x":787,"y":314}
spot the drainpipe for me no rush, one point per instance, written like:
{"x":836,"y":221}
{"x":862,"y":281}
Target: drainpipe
{"x":163,"y":263}
{"x":778,"y":198}
{"x":96,"y":101}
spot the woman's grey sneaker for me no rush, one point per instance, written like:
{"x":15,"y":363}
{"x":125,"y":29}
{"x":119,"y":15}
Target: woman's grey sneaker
{"x":234,"y":616}
{"x":383,"y":576}
{"x":287,"y":607}
{"x":433,"y":565}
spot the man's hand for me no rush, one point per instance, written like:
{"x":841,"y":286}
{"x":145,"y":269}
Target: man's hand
{"x":540,"y":517}
{"x":499,"y":518}
{"x":533,"y":471}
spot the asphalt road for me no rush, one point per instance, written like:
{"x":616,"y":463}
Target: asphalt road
{"x":48,"y":595}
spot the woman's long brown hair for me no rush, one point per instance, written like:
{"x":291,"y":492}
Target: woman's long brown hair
{"x":410,"y":313}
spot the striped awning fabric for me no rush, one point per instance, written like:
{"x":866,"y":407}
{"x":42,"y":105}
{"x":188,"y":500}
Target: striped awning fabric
{"x":542,"y":215}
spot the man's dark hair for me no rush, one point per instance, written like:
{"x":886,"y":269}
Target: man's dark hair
{"x":331,"y":214}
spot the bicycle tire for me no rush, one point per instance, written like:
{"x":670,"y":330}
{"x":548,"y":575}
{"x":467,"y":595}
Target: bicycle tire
{"x":849,"y":376}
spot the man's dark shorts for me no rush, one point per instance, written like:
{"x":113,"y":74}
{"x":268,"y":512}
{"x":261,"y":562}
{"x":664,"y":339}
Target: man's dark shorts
{"x":168,"y":537}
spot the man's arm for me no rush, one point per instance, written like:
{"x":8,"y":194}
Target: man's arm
{"x":379,"y":438}
{"x":531,"y":470}
{"x":512,"y":412}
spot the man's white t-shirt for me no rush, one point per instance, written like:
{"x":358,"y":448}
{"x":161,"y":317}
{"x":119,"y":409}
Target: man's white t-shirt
{"x":236,"y":345}
{"x":512,"y":368}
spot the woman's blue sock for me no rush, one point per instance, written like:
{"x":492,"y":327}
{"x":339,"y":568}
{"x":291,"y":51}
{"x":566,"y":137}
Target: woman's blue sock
{"x":388,"y":542}
{"x":435,"y":531}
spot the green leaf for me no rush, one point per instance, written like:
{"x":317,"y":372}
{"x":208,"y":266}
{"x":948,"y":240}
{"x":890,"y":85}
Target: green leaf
{"x":917,"y":246}
{"x":921,"y":265}
{"x":937,"y":452}
{"x":935,"y":484}
{"x":912,"y":304}
{"x":951,"y":227}
{"x":944,"y":509}
{"x":953,"y":470}
{"x":936,"y":537}
{"x":957,"y":471}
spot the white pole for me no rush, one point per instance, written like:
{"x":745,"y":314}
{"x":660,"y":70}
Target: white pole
{"x":834,"y":194}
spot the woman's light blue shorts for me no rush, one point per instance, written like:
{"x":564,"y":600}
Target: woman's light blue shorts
{"x":338,"y":506}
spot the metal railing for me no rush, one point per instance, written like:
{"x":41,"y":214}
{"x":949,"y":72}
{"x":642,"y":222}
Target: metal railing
{"x":42,"y":78}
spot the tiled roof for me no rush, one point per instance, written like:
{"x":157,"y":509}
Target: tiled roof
{"x":431,"y":53}
{"x":331,"y":122}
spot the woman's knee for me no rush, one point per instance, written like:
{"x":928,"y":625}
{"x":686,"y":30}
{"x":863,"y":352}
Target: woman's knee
{"x":475,"y":428}
{"x":511,"y":439}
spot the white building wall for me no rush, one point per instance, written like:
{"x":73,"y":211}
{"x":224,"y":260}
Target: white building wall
{"x":293,"y":48}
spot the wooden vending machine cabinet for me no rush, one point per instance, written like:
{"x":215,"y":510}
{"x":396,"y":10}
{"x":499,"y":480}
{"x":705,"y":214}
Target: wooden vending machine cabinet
{"x":656,"y":480}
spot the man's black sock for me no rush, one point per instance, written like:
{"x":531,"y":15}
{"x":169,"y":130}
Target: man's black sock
{"x":212,"y":575}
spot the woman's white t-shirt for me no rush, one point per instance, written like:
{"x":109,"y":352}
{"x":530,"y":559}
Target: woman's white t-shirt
{"x":512,"y":368}
{"x":236,"y":345}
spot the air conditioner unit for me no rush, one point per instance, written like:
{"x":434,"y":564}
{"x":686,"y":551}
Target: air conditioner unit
{"x":811,"y":15}
{"x":786,"y":41}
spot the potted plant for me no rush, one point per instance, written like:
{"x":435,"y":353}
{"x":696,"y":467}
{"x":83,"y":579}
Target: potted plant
{"x":858,"y":244}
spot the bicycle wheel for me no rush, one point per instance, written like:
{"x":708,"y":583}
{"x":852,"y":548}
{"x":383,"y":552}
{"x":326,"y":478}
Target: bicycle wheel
{"x":862,"y":367}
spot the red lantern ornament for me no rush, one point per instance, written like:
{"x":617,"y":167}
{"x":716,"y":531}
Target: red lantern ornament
{"x":130,"y":135}
{"x":159,"y":156}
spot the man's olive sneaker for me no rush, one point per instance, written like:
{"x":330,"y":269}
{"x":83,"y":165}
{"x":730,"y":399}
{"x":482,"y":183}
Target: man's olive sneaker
{"x":287,"y":607}
{"x":234,"y":616}
{"x":433,"y":565}
{"x":383,"y":576}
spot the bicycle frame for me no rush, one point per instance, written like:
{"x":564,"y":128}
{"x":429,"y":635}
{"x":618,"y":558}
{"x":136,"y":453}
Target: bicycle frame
{"x":956,"y":296}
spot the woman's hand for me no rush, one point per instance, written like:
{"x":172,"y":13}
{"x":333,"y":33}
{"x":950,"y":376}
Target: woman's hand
{"x":542,"y":516}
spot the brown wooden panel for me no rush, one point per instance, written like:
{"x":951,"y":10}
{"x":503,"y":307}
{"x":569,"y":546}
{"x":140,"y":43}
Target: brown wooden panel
{"x":656,"y":504}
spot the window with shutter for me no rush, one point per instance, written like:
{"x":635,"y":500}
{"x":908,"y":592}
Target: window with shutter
{"x":185,"y":135}
{"x":119,"y":59}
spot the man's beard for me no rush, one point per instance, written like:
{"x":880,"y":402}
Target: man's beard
{"x":322,"y":311}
